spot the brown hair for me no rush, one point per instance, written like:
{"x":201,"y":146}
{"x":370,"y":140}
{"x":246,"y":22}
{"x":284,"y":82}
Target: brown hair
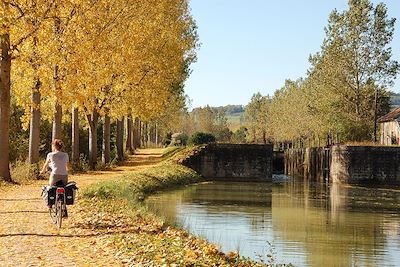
{"x":58,"y":144}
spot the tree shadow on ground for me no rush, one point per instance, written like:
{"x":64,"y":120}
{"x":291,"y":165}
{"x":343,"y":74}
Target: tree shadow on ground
{"x":19,"y":199}
{"x":68,"y":235}
{"x":141,"y":163}
{"x":23,"y":211}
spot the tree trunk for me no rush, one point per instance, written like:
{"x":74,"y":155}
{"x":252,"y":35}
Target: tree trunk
{"x":139,"y":134}
{"x":93,"y":121}
{"x":376,"y":116}
{"x":57,"y":123}
{"x":57,"y":120}
{"x":34,"y":133}
{"x":156,"y":134}
{"x":135,"y":134}
{"x":75,"y":135}
{"x":92,"y":147}
{"x":106,"y":139}
{"x":120,"y":139}
{"x":143,"y":134}
{"x":150,"y":135}
{"x":147,"y":134}
{"x":5,"y":68}
{"x":129,"y":146}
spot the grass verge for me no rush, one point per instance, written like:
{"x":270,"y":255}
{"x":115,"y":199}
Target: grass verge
{"x":137,"y":185}
{"x":185,"y":153}
{"x":150,"y":242}
{"x":172,"y":150}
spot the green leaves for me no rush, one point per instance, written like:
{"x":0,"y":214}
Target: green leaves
{"x":337,"y":96}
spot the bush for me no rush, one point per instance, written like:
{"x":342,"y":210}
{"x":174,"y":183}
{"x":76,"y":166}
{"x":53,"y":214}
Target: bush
{"x":23,"y":172}
{"x":166,"y":141}
{"x":200,"y":138}
{"x":179,"y":139}
{"x":80,"y":166}
{"x":240,"y":135}
{"x":19,"y":138}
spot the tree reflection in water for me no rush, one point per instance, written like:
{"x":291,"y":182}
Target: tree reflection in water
{"x":308,"y":223}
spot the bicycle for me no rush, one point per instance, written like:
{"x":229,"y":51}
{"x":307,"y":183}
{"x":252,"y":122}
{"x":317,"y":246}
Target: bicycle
{"x":57,"y":198}
{"x":58,"y":210}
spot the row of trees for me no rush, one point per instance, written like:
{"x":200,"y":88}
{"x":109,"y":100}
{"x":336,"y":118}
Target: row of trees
{"x":207,"y":120}
{"x":346,"y":88}
{"x":64,"y":60}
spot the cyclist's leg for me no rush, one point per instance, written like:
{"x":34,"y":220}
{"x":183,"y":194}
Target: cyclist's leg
{"x":64,"y":179}
{"x":65,"y":212}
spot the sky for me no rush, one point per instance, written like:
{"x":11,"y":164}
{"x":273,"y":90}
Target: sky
{"x":255,"y":45}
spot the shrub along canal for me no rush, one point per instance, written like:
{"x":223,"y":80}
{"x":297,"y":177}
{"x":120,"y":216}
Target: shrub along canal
{"x":290,"y":221}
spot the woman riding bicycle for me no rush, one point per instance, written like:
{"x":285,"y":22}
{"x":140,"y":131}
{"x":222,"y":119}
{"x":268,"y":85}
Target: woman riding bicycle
{"x":58,"y":161}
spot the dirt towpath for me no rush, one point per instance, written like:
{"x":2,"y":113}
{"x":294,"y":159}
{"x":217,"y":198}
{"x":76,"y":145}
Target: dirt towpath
{"x":28,"y":238}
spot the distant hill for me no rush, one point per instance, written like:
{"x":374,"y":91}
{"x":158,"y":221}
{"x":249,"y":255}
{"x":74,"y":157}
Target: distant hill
{"x":395,"y":100}
{"x":234,"y":115}
{"x":232,"y":109}
{"x":229,"y":109}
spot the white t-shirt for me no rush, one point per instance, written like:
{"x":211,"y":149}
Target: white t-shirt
{"x":58,"y":162}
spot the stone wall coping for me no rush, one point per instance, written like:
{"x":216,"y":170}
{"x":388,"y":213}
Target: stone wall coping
{"x":252,"y":146}
{"x":367,"y":148}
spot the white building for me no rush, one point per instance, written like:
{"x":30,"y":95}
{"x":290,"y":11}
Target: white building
{"x":390,"y":128}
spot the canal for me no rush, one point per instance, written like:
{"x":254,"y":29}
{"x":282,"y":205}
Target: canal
{"x":290,"y":221}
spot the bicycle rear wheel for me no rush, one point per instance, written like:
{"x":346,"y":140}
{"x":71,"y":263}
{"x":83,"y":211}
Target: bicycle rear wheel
{"x":53,"y":214}
{"x":59,"y":213}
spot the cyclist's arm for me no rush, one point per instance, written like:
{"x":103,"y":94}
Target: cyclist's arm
{"x":68,"y":166}
{"x":45,"y":166}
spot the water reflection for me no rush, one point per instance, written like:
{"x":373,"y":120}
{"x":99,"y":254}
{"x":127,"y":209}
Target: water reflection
{"x":308,"y":224}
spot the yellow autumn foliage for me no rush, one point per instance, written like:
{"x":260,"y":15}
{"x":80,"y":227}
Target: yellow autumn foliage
{"x":111,"y":56}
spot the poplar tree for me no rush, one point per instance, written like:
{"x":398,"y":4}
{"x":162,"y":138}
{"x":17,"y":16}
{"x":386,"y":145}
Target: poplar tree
{"x":346,"y":87}
{"x":20,"y":21}
{"x":257,"y":116}
{"x":354,"y":64}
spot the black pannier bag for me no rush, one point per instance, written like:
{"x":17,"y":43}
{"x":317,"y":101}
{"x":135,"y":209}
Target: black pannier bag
{"x":70,"y":191}
{"x":49,"y":194}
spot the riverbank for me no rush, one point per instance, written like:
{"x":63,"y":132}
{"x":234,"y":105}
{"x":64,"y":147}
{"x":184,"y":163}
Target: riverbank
{"x":151,"y":243}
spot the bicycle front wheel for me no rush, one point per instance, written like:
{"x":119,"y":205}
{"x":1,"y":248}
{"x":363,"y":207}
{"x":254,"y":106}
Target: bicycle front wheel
{"x":59,"y":213}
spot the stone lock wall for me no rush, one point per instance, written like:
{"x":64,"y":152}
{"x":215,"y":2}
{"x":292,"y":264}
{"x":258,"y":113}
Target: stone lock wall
{"x":236,"y":162}
{"x":365,"y":164}
{"x":310,"y":163}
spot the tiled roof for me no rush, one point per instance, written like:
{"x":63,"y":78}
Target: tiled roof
{"x":392,"y":115}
